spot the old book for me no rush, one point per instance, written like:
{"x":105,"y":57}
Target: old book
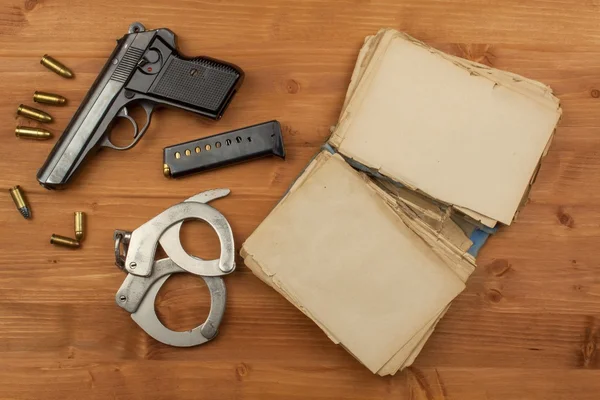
{"x":327,"y":278}
{"x":381,"y":231}
{"x":450,"y":119}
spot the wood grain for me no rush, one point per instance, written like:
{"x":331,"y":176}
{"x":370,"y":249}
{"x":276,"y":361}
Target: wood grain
{"x":527,"y":327}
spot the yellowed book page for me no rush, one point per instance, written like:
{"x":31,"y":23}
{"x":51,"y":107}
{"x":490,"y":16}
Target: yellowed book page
{"x":517,"y":82}
{"x":257,"y":270}
{"x":317,"y":161}
{"x":462,"y":264}
{"x":536,"y":90}
{"x":449,"y":242}
{"x":455,"y":235}
{"x":435,"y":215}
{"x":392,"y":366}
{"x":419,"y":346}
{"x":411,"y":350}
{"x":350,"y":261}
{"x":403,"y":358}
{"x":371,"y":52}
{"x":376,"y":49}
{"x":487,"y":221}
{"x":464,"y":139}
{"x":416,"y":201}
{"x":406,"y":356}
{"x":362,"y":61}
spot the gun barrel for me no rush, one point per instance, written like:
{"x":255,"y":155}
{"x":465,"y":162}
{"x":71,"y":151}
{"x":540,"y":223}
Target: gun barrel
{"x":90,"y":123}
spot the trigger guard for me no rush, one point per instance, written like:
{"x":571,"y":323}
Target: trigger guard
{"x":138,"y":133}
{"x":125,"y":114}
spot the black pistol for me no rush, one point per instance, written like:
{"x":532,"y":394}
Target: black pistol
{"x":144,"y":70}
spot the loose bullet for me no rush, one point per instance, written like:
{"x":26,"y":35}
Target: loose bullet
{"x":28,"y":132}
{"x":33,"y":113}
{"x":49,"y":98}
{"x":55,"y":66}
{"x":79,"y":225}
{"x":166,"y":171}
{"x":64,"y":241}
{"x":19,"y":198}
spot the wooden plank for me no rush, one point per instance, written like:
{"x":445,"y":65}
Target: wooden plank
{"x":274,"y":380}
{"x":526,"y":327}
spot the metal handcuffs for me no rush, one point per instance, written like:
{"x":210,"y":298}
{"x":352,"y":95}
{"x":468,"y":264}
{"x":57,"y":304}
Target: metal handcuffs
{"x":135,"y":251}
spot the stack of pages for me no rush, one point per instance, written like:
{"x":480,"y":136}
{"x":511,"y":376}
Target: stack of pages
{"x":380,"y":232}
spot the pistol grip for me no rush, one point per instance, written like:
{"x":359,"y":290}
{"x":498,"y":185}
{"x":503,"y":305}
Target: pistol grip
{"x":201,"y":83}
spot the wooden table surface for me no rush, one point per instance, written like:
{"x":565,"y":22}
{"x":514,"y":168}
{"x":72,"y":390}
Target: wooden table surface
{"x":526,"y":327}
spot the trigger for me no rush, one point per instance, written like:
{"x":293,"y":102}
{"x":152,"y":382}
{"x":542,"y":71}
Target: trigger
{"x":123,"y":112}
{"x":138,"y":133}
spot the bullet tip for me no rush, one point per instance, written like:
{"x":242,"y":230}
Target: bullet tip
{"x":25,"y":212}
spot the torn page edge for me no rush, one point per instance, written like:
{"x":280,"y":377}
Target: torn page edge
{"x":264,"y":276}
{"x":459,"y":261}
{"x":378,"y":175}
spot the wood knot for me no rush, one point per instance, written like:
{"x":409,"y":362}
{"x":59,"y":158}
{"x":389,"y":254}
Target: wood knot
{"x":288,"y":131}
{"x":595,"y":93}
{"x":276,"y":179}
{"x":292,"y":87}
{"x":418,"y":385}
{"x":241,"y":370}
{"x":588,"y":351}
{"x":494,"y":296}
{"x":565,"y":218}
{"x":30,"y":4}
{"x":480,"y":53}
{"x":498,"y":267}
{"x":589,"y":346}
